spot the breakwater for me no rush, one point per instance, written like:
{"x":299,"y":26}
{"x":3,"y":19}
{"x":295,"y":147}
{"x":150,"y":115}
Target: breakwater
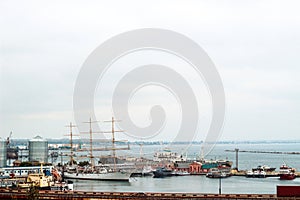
{"x":267,"y":152}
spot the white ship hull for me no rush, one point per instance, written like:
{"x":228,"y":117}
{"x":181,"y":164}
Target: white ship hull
{"x":115,"y":176}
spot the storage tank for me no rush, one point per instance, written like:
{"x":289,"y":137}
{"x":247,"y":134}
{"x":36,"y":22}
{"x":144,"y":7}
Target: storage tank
{"x":3,"y":152}
{"x":38,"y":149}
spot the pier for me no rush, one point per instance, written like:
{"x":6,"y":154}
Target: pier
{"x":268,"y":174}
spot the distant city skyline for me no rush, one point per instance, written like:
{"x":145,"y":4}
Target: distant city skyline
{"x":254,"y":45}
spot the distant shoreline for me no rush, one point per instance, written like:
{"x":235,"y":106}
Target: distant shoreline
{"x":66,"y":140}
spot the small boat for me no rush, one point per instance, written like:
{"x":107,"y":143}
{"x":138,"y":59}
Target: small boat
{"x":162,"y":172}
{"x":249,"y":174}
{"x":217,"y":173}
{"x":145,"y":171}
{"x":181,"y":173}
{"x":264,"y":168}
{"x":256,"y":174}
{"x":286,"y":173}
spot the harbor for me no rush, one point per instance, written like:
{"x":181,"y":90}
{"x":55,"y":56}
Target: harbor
{"x":150,"y":100}
{"x":202,"y":176}
{"x":118,"y":166}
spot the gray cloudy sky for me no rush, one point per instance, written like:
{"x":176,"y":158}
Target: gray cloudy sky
{"x":255,"y":46}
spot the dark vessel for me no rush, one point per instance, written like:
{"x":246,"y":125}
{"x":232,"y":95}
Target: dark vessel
{"x":162,"y":172}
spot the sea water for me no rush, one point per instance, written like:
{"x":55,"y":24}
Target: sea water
{"x":201,"y":184}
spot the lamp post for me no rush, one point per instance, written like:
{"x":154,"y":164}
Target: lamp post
{"x":61,"y":158}
{"x":237,"y":159}
{"x":220,"y":186}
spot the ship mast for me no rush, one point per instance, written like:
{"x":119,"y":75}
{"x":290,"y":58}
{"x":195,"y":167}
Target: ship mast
{"x":202,"y":153}
{"x":141,"y":150}
{"x":113,"y":131}
{"x":71,"y":142}
{"x":91,"y":144}
{"x":91,"y":141}
{"x":113,"y":120}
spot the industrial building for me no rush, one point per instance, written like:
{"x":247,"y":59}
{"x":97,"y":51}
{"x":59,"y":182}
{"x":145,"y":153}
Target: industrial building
{"x":38,"y":149}
{"x":3,"y":152}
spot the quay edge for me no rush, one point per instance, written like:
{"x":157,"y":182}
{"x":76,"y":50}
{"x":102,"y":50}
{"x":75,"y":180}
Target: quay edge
{"x":81,"y":195}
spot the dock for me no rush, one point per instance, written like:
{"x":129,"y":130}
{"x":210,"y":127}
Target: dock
{"x":80,"y":195}
{"x":268,"y":174}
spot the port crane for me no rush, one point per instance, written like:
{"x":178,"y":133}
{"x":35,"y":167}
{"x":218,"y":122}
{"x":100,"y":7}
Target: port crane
{"x":8,"y":139}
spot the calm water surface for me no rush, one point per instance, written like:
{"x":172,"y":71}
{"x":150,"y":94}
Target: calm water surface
{"x":201,"y":184}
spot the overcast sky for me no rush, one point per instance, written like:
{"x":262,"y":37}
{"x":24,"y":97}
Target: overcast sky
{"x":255,"y":46}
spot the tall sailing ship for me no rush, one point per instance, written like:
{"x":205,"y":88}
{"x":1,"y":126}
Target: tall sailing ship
{"x":101,"y":172}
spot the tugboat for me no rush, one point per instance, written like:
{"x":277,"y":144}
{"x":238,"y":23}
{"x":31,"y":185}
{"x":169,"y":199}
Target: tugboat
{"x":44,"y":181}
{"x":286,"y":173}
{"x":41,"y":180}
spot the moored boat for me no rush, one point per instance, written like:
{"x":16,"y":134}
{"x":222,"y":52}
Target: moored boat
{"x":256,"y":174}
{"x":264,"y":168}
{"x":286,"y":173}
{"x":41,"y":180}
{"x":162,"y":172}
{"x":145,"y":171}
{"x":181,"y":173}
{"x":217,"y":173}
{"x":168,"y":156}
{"x":108,"y":176}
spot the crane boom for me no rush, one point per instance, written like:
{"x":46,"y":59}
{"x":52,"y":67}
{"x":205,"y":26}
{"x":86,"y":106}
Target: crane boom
{"x":8,"y":138}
